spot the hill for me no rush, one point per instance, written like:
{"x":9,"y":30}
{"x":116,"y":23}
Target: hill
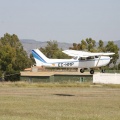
{"x":117,"y":42}
{"x":30,"y":44}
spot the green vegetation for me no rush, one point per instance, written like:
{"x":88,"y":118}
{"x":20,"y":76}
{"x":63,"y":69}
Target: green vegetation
{"x":96,"y":102}
{"x":52,"y":50}
{"x":13,"y":58}
{"x":40,"y":84}
{"x":21,"y":84}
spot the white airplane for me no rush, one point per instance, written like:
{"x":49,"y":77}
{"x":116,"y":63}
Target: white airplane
{"x":81,"y":59}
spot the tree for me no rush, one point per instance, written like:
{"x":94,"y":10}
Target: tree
{"x":111,"y":47}
{"x":101,"y":47}
{"x":88,"y":45}
{"x":13,"y":58}
{"x":75,"y":46}
{"x":60,"y":55}
{"x":83,"y":45}
{"x":52,"y":50}
{"x":7,"y":55}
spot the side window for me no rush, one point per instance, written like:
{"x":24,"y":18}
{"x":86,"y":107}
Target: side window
{"x":96,"y":56}
{"x":90,"y":58}
{"x":82,"y":58}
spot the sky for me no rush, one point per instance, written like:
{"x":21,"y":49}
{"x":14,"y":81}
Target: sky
{"x":61,"y":20}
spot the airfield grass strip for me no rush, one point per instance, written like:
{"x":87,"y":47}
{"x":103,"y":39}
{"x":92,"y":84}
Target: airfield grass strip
{"x":27,"y":84}
{"x":58,"y":103}
{"x":56,"y":84}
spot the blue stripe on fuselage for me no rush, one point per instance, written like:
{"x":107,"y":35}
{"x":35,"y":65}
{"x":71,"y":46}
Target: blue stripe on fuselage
{"x":38,"y":56}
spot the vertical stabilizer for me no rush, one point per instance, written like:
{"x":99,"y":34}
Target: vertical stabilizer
{"x":39,"y":57}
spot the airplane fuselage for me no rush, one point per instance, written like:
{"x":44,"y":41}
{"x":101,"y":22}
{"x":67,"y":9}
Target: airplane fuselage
{"x":78,"y":63}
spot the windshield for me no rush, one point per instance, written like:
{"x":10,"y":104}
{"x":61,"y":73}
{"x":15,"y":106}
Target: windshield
{"x":75,"y":58}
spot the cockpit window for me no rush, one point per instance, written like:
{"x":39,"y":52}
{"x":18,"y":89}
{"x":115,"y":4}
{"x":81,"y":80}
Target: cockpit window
{"x":75,"y":58}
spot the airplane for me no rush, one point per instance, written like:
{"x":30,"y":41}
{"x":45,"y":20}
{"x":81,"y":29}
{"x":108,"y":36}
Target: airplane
{"x":81,"y":59}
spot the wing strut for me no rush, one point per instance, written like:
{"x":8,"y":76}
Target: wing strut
{"x":98,"y":61}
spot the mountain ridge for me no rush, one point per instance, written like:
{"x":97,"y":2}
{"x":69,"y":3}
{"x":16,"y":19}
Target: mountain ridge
{"x":30,"y":44}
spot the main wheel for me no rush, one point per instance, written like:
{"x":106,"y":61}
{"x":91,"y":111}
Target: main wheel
{"x":82,"y":70}
{"x":91,"y":71}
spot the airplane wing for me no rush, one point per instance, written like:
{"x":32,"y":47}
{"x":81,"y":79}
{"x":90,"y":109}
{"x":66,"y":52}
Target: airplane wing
{"x":84,"y":54}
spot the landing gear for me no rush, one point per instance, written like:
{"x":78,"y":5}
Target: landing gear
{"x":82,"y":70}
{"x":92,"y":71}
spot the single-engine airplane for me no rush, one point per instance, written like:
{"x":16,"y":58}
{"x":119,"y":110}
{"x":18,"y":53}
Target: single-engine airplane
{"x":81,"y":59}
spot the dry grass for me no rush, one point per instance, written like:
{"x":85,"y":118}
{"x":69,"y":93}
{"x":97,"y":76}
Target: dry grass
{"x":55,"y":84}
{"x":58,"y":103}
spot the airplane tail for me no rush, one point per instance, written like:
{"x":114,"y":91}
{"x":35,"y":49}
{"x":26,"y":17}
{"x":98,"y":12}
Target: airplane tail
{"x":39,"y":57}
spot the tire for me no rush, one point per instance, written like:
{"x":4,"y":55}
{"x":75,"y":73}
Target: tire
{"x":82,"y":70}
{"x":91,"y":71}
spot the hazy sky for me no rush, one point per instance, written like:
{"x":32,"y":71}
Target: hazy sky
{"x":61,"y":20}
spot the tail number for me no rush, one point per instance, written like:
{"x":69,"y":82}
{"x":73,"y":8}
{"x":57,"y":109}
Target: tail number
{"x":65,"y":64}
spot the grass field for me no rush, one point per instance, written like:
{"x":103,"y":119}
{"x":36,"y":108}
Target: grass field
{"x":59,"y":103}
